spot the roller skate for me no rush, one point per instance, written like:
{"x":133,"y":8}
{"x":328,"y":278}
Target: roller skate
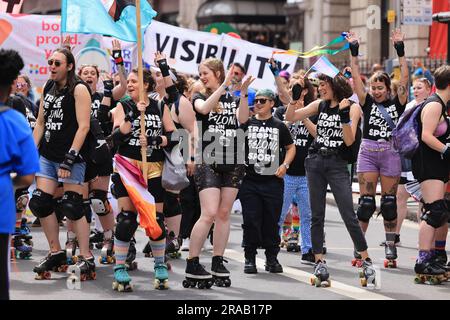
{"x":391,"y":255}
{"x":71,"y":248}
{"x":130,"y":264}
{"x":122,"y":280}
{"x":357,"y":261}
{"x":285,"y":238}
{"x":196,"y":275}
{"x":321,"y":276}
{"x":56,"y":262}
{"x":440,"y":260}
{"x":87,"y":269}
{"x":25,"y":232}
{"x":161,"y":277}
{"x":367,"y":274}
{"x":96,"y":238}
{"x":19,"y":249}
{"x":173,"y":246}
{"x":428,"y":272}
{"x":292,"y":244}
{"x":221,"y":275}
{"x":107,"y":254}
{"x":148,"y":250}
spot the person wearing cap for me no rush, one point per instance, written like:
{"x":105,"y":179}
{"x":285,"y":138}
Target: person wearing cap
{"x":262,"y":190}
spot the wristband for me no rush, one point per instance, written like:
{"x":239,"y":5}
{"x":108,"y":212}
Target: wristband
{"x":345,"y":115}
{"x":164,"y":67}
{"x":117,"y":56}
{"x":108,"y":86}
{"x":275,"y":70}
{"x":354,"y":48}
{"x":400,"y":47}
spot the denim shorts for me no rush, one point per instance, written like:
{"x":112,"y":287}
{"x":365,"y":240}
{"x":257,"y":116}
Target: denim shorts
{"x":381,"y":157}
{"x":49,"y":170}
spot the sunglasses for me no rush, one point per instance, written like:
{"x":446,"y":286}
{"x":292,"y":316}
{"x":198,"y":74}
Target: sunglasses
{"x":261,"y":101}
{"x":21,"y":85}
{"x":56,"y":62}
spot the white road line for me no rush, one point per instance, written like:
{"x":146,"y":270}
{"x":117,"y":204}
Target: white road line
{"x":302,"y":276}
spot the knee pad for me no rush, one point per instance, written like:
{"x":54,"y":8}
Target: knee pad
{"x":172,"y":206}
{"x":126,"y":225}
{"x":388,"y":208}
{"x":41,"y":204}
{"x":160,"y":220}
{"x":435,"y":214}
{"x":99,"y":202}
{"x":366,"y":208}
{"x":72,"y":205}
{"x":21,"y":197}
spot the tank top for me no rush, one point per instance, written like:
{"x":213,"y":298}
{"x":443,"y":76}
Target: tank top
{"x":60,"y":122}
{"x":154,"y":128}
{"x":442,"y":132}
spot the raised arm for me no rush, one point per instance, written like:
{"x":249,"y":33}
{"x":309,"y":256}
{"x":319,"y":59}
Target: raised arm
{"x":301,"y":114}
{"x":119,"y":91}
{"x":353,"y":40}
{"x":243,"y":113}
{"x":283,"y":92}
{"x":399,"y":45}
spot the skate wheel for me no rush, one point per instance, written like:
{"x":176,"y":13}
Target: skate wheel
{"x":63,"y":268}
{"x":418,"y":280}
{"x":83,"y":277}
{"x":201,"y":285}
{"x":317,"y":282}
{"x":312,"y":281}
{"x":186,"y":284}
{"x":47,"y":275}
{"x":227,"y":283}
{"x":209,"y":284}
{"x":434,"y":281}
{"x":93,"y":276}
{"x":353,"y":262}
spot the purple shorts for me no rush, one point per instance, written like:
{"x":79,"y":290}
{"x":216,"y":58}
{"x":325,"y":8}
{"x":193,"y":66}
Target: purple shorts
{"x":379,"y":157}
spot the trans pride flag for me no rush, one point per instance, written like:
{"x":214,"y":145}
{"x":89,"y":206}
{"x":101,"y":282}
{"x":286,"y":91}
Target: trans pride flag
{"x":116,"y":18}
{"x":142,"y":200}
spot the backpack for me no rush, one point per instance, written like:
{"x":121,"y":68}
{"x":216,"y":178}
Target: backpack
{"x":349,"y":153}
{"x":95,"y":149}
{"x":406,"y":135}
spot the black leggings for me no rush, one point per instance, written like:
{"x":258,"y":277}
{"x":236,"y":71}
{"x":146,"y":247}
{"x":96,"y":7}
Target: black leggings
{"x":4,"y":263}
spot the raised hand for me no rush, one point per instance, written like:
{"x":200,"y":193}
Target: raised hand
{"x":247,"y":82}
{"x":229,"y":77}
{"x":352,"y":37}
{"x":397,"y":36}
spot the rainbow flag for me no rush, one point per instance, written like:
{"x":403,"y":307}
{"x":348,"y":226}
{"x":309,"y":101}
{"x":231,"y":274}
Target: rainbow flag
{"x":142,"y":200}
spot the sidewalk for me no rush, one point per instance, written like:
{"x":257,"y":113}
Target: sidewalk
{"x":413,"y":206}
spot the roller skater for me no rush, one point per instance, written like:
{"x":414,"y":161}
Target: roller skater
{"x":428,"y":272}
{"x":56,"y":262}
{"x":71,"y":248}
{"x":96,"y":239}
{"x":173,"y":246}
{"x":131,"y":256}
{"x":121,"y":279}
{"x":321,"y":275}
{"x":107,"y":254}
{"x":87,"y":268}
{"x":196,"y":275}
{"x":367,"y":274}
{"x":161,"y":276}
{"x":20,"y":249}
{"x":391,"y":256}
{"x":221,"y":275}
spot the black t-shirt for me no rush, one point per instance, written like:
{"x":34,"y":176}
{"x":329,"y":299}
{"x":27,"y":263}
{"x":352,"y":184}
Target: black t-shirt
{"x":154,"y":128}
{"x":218,"y":130}
{"x":280,"y":113}
{"x":265,"y":140}
{"x":329,"y":128}
{"x":96,"y":101}
{"x":60,"y":122}
{"x":375,"y":126}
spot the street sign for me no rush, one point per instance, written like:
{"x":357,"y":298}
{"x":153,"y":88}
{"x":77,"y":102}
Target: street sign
{"x":418,"y":12}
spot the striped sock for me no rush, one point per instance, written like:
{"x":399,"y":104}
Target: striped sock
{"x":121,"y":251}
{"x":440,"y":245}
{"x":158,"y":249}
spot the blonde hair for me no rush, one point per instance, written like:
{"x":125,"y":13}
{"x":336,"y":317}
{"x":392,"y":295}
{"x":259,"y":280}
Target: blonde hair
{"x":216,"y":66}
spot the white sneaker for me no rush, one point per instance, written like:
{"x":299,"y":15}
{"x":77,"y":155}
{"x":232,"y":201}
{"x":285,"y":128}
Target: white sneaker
{"x":185,"y":245}
{"x":207,"y":246}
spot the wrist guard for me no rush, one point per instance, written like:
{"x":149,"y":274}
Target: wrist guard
{"x":117,"y":56}
{"x":345,"y":115}
{"x":69,"y":160}
{"x":354,"y":48}
{"x":108,"y":86}
{"x":400,"y":47}
{"x":164,"y":67}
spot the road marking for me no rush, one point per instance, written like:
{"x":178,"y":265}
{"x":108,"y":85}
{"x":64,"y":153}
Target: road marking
{"x":302,"y":276}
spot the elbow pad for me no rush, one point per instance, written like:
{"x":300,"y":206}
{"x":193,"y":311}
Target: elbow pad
{"x":172,"y":95}
{"x":117,"y":138}
{"x":170,"y":142}
{"x":103,"y":114}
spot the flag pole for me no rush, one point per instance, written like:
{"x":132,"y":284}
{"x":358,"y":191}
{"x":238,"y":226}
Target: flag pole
{"x":141,"y":84}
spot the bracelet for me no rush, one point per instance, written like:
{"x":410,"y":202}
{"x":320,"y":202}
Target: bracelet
{"x":444,"y":149}
{"x":347,"y":124}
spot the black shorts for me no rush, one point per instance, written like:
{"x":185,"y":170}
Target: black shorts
{"x":206,"y":177}
{"x":154,"y":187}
{"x":428,"y":164}
{"x":93,"y":170}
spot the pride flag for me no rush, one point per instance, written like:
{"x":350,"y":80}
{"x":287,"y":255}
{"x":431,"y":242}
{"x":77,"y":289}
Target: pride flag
{"x":323,"y":65}
{"x":142,"y":200}
{"x":116,"y":18}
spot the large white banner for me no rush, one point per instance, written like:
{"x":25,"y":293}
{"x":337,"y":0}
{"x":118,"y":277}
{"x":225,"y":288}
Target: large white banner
{"x":36,"y":36}
{"x":187,"y":48}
